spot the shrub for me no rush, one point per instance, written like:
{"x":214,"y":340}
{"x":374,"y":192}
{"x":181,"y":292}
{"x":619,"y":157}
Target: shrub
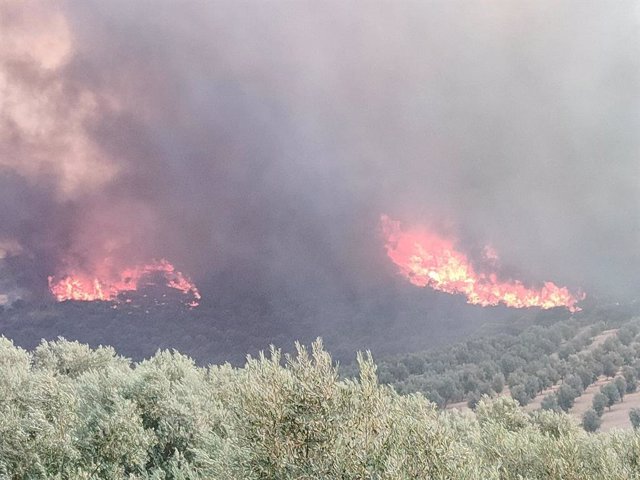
{"x":591,"y":420}
{"x":611,"y":392}
{"x":566,"y":396}
{"x":599,"y":402}
{"x":550,"y":402}
{"x":631,"y":379}
{"x":621,"y":385}
{"x":634,"y":417}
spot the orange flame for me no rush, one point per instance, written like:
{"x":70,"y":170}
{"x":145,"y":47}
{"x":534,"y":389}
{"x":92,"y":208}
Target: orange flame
{"x":82,"y":287}
{"x":429,"y":260}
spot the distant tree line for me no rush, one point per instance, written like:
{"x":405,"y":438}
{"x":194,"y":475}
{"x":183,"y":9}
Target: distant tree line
{"x":526,"y":363}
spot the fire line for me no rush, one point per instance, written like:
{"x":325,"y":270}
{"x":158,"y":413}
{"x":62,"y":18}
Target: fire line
{"x":428,"y":260}
{"x":85,"y":287}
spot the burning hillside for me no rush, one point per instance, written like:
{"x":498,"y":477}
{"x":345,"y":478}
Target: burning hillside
{"x":259,"y":146}
{"x":108,"y":287}
{"x":428,"y":260}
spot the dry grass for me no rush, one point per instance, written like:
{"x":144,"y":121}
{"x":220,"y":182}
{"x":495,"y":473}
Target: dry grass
{"x":618,"y":416}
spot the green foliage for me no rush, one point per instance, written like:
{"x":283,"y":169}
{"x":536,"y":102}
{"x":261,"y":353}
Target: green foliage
{"x":566,"y":396}
{"x":70,"y":412}
{"x":621,"y":385}
{"x":609,"y":366}
{"x":473,"y":401}
{"x":599,"y":402}
{"x":575,"y":382}
{"x":519,"y":394}
{"x":634,"y":417}
{"x":631,"y":378}
{"x":627,"y":333}
{"x":497,"y":383}
{"x":591,"y":420}
{"x":611,"y":392}
{"x":550,"y":402}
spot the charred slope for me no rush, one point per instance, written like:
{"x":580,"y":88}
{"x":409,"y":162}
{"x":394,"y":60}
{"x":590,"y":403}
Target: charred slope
{"x":232,"y":321}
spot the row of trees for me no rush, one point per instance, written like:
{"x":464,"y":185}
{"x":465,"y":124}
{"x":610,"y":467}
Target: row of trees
{"x":581,"y":364}
{"x":527,"y":363}
{"x":610,"y":394}
{"x":483,"y":366}
{"x":573,"y":387}
{"x":70,"y":412}
{"x":617,"y":357}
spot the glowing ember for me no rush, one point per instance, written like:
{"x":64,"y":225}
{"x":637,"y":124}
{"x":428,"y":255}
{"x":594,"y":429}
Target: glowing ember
{"x":83,"y":287}
{"x":429,"y":260}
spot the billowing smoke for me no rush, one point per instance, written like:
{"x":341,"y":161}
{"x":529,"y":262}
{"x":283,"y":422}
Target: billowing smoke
{"x":266,"y":138}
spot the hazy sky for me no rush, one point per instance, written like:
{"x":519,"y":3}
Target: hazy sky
{"x":269,"y":137}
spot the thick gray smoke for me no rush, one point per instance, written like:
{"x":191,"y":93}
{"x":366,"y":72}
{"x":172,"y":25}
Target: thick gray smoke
{"x":268,"y":137}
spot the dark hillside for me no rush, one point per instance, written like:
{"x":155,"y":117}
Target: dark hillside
{"x":396,"y":319}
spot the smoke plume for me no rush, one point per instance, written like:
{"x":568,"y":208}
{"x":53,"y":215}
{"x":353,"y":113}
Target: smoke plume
{"x":267,"y":137}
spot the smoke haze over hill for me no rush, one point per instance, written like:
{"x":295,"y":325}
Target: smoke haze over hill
{"x":263,"y":140}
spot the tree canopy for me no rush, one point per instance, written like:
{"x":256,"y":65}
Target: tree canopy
{"x":71,"y":412}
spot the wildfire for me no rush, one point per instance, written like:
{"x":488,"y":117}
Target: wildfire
{"x":82,"y":287}
{"x":427,"y":259}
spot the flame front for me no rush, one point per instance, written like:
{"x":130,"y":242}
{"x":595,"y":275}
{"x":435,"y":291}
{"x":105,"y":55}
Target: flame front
{"x":78,"y":286}
{"x":426,"y":259}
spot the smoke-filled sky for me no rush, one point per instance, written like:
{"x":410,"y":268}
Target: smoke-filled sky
{"x":269,"y":137}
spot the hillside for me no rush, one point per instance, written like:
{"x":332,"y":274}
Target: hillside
{"x":391,"y":317}
{"x":559,"y":367}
